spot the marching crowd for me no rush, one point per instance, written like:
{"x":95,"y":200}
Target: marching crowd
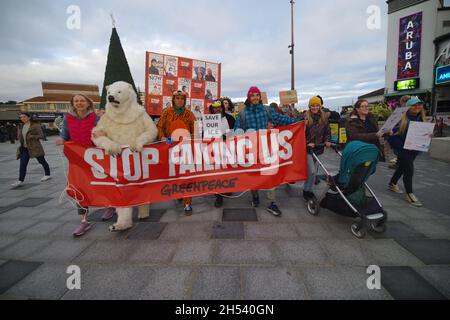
{"x":360,"y":125}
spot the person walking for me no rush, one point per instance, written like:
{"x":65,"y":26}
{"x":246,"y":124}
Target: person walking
{"x":363,"y":126}
{"x":405,"y":158}
{"x":317,"y":136}
{"x":177,"y":117}
{"x":12,"y":132}
{"x":257,"y":116}
{"x":77,"y":126}
{"x":30,"y":147}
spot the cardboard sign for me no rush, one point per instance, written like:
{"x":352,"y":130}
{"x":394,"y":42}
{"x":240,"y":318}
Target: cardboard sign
{"x":393,"y":119}
{"x":288,"y":97}
{"x":419,"y":136}
{"x":211,"y":126}
{"x":264,"y":97}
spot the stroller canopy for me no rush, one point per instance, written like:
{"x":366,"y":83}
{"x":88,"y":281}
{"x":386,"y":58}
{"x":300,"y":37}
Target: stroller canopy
{"x":354,"y":154}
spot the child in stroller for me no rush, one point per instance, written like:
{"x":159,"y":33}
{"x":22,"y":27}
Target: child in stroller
{"x":348,"y":193}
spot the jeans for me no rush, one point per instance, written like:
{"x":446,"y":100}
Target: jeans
{"x":405,"y":162}
{"x":312,"y":170}
{"x":25,"y":158}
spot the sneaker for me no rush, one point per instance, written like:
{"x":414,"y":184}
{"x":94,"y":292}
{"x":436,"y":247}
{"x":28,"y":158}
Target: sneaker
{"x":411,"y":198}
{"x":393,"y":160}
{"x":82,"y":229}
{"x":255,"y":201}
{"x":219,"y":202}
{"x":273,"y":209}
{"x":395,"y":188}
{"x":108,"y":214}
{"x":45,"y":178}
{"x":17,"y":184}
{"x":393,"y":166}
{"x":308,"y":195}
{"x":188,"y":210}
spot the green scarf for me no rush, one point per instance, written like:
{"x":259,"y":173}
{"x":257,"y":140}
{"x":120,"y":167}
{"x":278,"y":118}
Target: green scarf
{"x":179,"y":111}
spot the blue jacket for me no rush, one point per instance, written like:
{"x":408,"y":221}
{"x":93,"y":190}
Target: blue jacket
{"x":256,"y":118}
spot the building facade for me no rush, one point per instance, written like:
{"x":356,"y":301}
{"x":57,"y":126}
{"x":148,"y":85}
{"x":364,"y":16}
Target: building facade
{"x":414,"y":28}
{"x":55,"y":99}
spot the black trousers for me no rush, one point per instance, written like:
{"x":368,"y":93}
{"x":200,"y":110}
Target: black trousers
{"x":25,"y":158}
{"x":405,"y":162}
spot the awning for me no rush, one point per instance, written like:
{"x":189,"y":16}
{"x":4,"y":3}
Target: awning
{"x":407,"y":92}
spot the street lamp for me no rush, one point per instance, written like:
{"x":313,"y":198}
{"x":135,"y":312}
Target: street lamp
{"x":291,"y":47}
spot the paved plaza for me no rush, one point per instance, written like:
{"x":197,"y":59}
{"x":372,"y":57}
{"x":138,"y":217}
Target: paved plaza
{"x":231,"y":253}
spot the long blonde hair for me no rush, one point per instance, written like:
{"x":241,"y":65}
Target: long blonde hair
{"x":404,"y":121}
{"x":88,"y":100}
{"x":310,"y":120}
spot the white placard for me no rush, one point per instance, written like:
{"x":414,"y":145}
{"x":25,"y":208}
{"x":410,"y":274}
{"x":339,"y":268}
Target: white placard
{"x":419,"y":136}
{"x":212,"y":126}
{"x":393,"y":119}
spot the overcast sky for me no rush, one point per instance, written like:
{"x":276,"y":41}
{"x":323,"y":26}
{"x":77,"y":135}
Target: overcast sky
{"x":337,"y":56}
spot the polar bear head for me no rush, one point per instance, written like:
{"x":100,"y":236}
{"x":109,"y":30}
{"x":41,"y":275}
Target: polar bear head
{"x":120,"y":96}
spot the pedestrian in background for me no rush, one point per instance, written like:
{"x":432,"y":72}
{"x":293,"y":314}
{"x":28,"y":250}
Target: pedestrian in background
{"x":30,"y":133}
{"x":405,"y":158}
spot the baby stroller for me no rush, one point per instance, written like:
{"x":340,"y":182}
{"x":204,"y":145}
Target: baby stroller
{"x":347,"y":192}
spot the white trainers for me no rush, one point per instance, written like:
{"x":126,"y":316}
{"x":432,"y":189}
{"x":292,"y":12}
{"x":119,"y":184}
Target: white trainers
{"x":411,"y":198}
{"x":45,"y":178}
{"x":17,"y":184}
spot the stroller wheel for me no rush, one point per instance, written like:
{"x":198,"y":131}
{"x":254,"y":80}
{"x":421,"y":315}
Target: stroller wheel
{"x":358,"y":231}
{"x":313,"y":207}
{"x":378,"y":226}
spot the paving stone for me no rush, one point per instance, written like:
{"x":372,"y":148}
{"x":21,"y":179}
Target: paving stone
{"x":437,"y":229}
{"x":357,"y":277}
{"x":23,"y":249}
{"x":154,"y":252}
{"x":43,"y":228}
{"x":244,"y":252}
{"x":398,"y":230}
{"x":313,"y":230}
{"x":278,"y":283}
{"x":6,"y":240}
{"x":239,"y":214}
{"x":146,"y":231}
{"x":13,"y":271}
{"x":345,"y":252}
{"x":46,"y":282}
{"x":187,"y":231}
{"x":430,"y":251}
{"x":98,"y":231}
{"x":33,"y":202}
{"x":403,"y":283}
{"x":110,"y":283}
{"x":21,"y":213}
{"x":270,"y":231}
{"x":216,"y":283}
{"x":52,"y":214}
{"x":194,"y":252}
{"x":61,"y":250}
{"x":107,"y":252}
{"x":387,"y":253}
{"x":14,"y":226}
{"x":6,"y":208}
{"x":301,"y":252}
{"x":325,"y":283}
{"x":437,"y":276}
{"x":167,"y":283}
{"x":228,"y":230}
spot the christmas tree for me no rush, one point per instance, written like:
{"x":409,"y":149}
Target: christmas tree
{"x":117,"y":68}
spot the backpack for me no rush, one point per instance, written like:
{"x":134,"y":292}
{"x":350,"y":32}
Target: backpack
{"x":242,"y":117}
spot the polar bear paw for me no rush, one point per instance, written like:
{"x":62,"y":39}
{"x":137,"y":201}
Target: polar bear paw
{"x":113,"y":149}
{"x":118,"y":227}
{"x":136,"y":147}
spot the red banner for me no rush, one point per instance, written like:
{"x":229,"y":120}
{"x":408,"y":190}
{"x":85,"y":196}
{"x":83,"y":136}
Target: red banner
{"x":251,"y":161}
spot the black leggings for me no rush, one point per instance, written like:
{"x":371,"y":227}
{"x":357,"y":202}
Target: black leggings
{"x":405,"y":162}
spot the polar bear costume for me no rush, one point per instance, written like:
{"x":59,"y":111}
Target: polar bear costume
{"x":125,"y":122}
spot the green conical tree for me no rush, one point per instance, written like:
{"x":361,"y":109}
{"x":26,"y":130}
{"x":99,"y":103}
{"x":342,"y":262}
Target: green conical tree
{"x":117,"y":68}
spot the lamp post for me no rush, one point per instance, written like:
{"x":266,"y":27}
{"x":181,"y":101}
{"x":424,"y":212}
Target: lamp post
{"x":291,"y":47}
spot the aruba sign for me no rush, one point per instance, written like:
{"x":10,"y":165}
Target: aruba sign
{"x":442,"y":74}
